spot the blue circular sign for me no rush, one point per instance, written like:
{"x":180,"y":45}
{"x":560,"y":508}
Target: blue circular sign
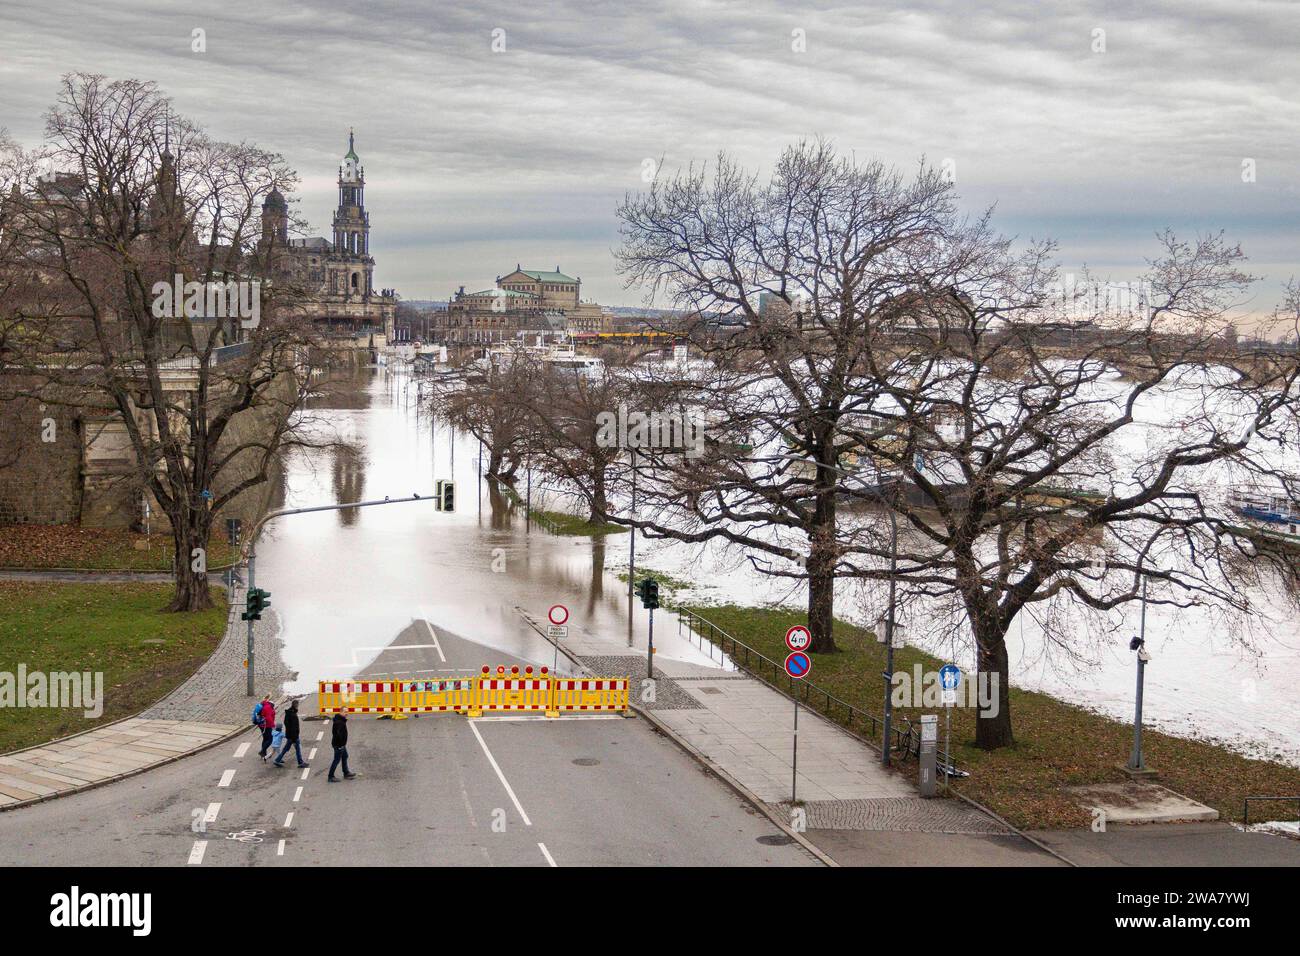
{"x":798,"y":664}
{"x":950,"y":676}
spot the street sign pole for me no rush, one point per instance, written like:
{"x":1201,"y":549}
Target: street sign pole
{"x":650,"y":648}
{"x":794,"y":776}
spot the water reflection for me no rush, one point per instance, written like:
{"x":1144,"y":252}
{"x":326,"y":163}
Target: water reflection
{"x":346,"y":583}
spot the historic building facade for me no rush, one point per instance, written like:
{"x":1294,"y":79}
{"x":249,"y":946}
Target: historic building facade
{"x":336,"y":275}
{"x":525,"y":304}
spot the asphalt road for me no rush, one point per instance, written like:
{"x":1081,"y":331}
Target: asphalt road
{"x":435,"y":790}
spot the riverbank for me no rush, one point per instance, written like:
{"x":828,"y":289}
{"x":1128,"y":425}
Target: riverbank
{"x":116,"y":630}
{"x":1057,"y":744}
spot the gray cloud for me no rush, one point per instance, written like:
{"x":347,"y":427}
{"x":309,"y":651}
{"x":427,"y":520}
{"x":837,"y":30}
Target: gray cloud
{"x":477,"y":160}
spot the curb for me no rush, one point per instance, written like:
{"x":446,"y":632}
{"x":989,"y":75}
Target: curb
{"x":735,"y":785}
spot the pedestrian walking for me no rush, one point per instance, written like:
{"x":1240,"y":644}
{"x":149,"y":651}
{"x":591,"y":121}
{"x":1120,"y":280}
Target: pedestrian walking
{"x":291,"y":730}
{"x":339,"y":741}
{"x":266,"y":720}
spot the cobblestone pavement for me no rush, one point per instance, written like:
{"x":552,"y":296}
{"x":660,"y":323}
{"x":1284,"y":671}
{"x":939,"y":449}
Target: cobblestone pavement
{"x":895,"y":813}
{"x":208,"y":707}
{"x":216,"y":692}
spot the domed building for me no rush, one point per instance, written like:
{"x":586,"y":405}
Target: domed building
{"x":335,"y":274}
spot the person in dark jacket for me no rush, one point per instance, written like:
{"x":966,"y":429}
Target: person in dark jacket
{"x":291,"y":737}
{"x":339,"y":741}
{"x":266,"y":720}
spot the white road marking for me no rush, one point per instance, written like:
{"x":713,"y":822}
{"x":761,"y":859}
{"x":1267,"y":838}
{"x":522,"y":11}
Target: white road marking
{"x":355,"y":664}
{"x":320,"y":735}
{"x":279,"y":851}
{"x":297,"y":795}
{"x":305,"y":772}
{"x":288,"y":821}
{"x":500,"y":775}
{"x":541,"y":719}
{"x":241,"y":750}
{"x":432,"y":636}
{"x":311,"y":755}
{"x":226,"y":777}
{"x":549,"y":859}
{"x":211,"y":815}
{"x":197,"y":851}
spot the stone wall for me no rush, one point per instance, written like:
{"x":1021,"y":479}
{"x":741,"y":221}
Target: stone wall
{"x":40,"y":463}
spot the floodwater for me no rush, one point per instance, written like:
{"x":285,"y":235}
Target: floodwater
{"x":345,"y":583}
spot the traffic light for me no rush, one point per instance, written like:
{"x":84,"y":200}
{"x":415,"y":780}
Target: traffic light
{"x":444,"y":494}
{"x":257,"y":602}
{"x":648,"y":591}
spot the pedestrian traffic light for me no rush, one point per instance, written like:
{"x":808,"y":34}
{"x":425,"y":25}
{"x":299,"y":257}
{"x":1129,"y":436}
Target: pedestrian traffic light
{"x":648,"y":592}
{"x":257,"y":602}
{"x":445,"y":495}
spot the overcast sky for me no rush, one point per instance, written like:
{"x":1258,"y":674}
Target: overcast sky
{"x":476,"y":160}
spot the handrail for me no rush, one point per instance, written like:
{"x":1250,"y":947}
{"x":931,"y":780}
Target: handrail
{"x":1245,"y":812}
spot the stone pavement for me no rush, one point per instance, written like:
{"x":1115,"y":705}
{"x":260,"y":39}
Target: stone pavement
{"x":209,"y":707}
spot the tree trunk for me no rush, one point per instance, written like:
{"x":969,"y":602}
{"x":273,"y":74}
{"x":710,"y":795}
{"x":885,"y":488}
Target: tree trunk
{"x":599,"y":506}
{"x":190,"y":539}
{"x":821,"y":599}
{"x":993,"y":728}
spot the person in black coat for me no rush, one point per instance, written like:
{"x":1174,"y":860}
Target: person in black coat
{"x":339,"y":741}
{"x":291,"y":738}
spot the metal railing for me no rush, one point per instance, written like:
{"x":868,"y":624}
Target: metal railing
{"x":1245,"y":812}
{"x":907,"y":739}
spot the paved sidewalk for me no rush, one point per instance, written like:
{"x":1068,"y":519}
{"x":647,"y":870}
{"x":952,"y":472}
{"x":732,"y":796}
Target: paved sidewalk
{"x":209,"y":707}
{"x":744,"y":728}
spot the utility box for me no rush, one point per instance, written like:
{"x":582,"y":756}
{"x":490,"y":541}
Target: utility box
{"x":929,"y":752}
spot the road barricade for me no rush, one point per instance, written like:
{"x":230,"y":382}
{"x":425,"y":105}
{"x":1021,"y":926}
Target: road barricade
{"x":488,"y":692}
{"x":396,"y":696}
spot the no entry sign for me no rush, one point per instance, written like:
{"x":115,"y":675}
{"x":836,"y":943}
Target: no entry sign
{"x":558,"y":614}
{"x":798,"y":638}
{"x":798,"y":664}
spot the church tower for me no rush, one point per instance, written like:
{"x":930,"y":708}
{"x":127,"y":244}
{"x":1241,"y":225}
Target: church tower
{"x":352,"y":227}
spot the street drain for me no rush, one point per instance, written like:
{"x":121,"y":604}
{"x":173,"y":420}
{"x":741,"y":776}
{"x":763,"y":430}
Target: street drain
{"x":586,"y":761}
{"x":775,"y":839}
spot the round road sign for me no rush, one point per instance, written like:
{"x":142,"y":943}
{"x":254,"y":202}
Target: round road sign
{"x":798,"y":664}
{"x":558,"y":614}
{"x":798,"y":638}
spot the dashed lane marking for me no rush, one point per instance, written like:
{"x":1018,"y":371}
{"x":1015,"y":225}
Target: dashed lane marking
{"x":288,"y":821}
{"x":211,"y":815}
{"x":306,"y":771}
{"x":297,"y":795}
{"x":226,"y":777}
{"x":197,"y":851}
{"x":502,"y":777}
{"x":549,"y":859}
{"x":241,"y":750}
{"x":279,"y":850}
{"x":312,"y":754}
{"x":320,"y":735}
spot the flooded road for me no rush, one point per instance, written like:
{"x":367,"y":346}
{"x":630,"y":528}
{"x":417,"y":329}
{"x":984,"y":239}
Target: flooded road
{"x":345,"y":583}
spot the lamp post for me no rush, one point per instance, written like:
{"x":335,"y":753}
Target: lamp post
{"x":1136,"y":766}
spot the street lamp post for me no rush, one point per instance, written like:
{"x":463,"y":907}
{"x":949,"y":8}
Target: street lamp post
{"x":1135,"y":764}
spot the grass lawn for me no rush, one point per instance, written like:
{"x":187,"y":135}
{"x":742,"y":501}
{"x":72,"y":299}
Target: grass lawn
{"x":115,"y":629}
{"x":1057,"y":744}
{"x":561,"y":522}
{"x":33,"y":547}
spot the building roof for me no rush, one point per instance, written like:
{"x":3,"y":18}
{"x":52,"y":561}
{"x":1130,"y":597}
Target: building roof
{"x":547,"y":276}
{"x":509,"y":293}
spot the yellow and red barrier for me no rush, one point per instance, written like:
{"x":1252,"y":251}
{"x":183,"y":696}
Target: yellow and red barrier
{"x":489,"y":692}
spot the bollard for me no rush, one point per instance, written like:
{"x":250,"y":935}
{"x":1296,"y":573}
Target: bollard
{"x":929,"y":750}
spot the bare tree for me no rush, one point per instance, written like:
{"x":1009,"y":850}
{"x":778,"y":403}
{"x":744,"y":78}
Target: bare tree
{"x":143,"y":204}
{"x":911,"y":362}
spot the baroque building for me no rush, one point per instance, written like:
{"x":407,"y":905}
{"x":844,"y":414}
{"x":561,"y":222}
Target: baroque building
{"x":526,"y":304}
{"x":336,"y":275}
